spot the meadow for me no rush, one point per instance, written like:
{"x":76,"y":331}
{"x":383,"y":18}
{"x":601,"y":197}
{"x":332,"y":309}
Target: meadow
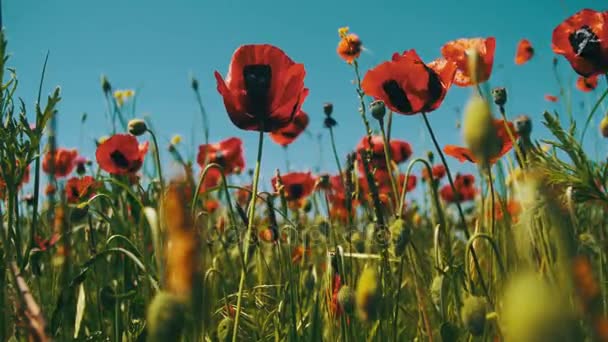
{"x":123,"y":246}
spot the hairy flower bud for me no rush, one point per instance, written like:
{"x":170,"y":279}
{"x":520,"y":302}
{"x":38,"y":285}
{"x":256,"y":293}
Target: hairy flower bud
{"x":378,"y":109}
{"x":137,"y":127}
{"x":478,"y":130}
{"x":346,"y":299}
{"x":400,"y":236}
{"x":474,"y":314}
{"x":328,"y":108}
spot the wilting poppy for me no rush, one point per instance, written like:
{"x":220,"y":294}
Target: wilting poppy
{"x":587,"y":84}
{"x":60,"y":162}
{"x":296,"y":185}
{"x":121,"y":154}
{"x":407,"y":85}
{"x":456,"y":51}
{"x":524,"y":52}
{"x":438,"y":171}
{"x":78,"y":189}
{"x":227,"y":153}
{"x":583,"y":40}
{"x":264,"y":88}
{"x":400,"y":151}
{"x":464,"y":154}
{"x":465,"y":189}
{"x":350,"y":46}
{"x":289,"y":133}
{"x":551,"y":98}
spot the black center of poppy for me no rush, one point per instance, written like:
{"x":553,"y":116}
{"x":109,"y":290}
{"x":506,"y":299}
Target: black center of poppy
{"x":434,"y":87}
{"x":397,"y":96}
{"x":219,"y":158}
{"x":466,"y":181}
{"x":257,"y":83}
{"x":585,"y":43}
{"x":75,"y":192}
{"x":295,"y":191}
{"x":119,"y":159}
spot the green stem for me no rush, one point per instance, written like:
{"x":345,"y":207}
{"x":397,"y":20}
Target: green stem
{"x":593,"y":110}
{"x":388,"y":160}
{"x":157,"y":160}
{"x":199,"y":100}
{"x":256,"y":178}
{"x":450,"y":179}
{"x":361,"y":96}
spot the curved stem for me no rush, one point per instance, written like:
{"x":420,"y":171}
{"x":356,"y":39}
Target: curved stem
{"x":157,"y":160}
{"x":450,"y":179}
{"x":256,"y":178}
{"x":593,"y":110}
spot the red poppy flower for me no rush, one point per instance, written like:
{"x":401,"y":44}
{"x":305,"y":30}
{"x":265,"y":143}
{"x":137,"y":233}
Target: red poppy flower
{"x":407,"y":85}
{"x":212,"y":179}
{"x":349,"y":47}
{"x":438,"y":172}
{"x":551,"y":98}
{"x":289,"y":133}
{"x":587,"y":84}
{"x":334,"y":305}
{"x":296,"y":185}
{"x":464,"y":154}
{"x":121,"y":154}
{"x":410,"y":185}
{"x":382,"y":183}
{"x":50,"y":189}
{"x":228,"y":153}
{"x":456,"y":51}
{"x":212,"y":205}
{"x":298,"y":253}
{"x":243,"y":196}
{"x":400,"y":151}
{"x":513,"y":209}
{"x":524,"y":53}
{"x":264,"y":88}
{"x":465,"y":189}
{"x":60,"y":162}
{"x":583,"y":40}
{"x":45,"y":244}
{"x":78,"y":189}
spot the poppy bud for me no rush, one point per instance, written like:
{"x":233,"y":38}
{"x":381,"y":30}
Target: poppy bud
{"x":474,"y":315}
{"x":105,"y":85}
{"x":430,"y":156}
{"x":346,"y":299}
{"x":329,"y":122}
{"x":499,"y":95}
{"x":368,"y":294}
{"x":328,"y":108}
{"x":194,"y":84}
{"x":523,"y":125}
{"x":604,"y":126}
{"x":224,"y":329}
{"x":137,"y":127}
{"x":400,"y":235}
{"x":165,"y":318}
{"x":378,"y":109}
{"x":309,"y":279}
{"x":479,"y":131}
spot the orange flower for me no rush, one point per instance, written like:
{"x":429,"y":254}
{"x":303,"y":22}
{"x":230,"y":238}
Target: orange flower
{"x":121,"y":154}
{"x":350,"y":46}
{"x":59,"y":162}
{"x":551,"y":98}
{"x":212,"y":205}
{"x":464,"y":154}
{"x":407,"y":85}
{"x":587,"y":84}
{"x":296,"y":185}
{"x":298,"y":253}
{"x":228,"y":153}
{"x":438,"y":172}
{"x":456,"y":51}
{"x":289,"y":133}
{"x":583,"y":40}
{"x":524,"y":53}
{"x":78,"y":189}
{"x":264,"y":88}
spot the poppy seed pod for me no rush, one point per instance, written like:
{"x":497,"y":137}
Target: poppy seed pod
{"x":523,"y":125}
{"x":378,"y":109}
{"x":328,"y":108}
{"x":604,"y":126}
{"x":400,"y":236}
{"x":346,"y":299}
{"x":224,"y":329}
{"x":165,"y":318}
{"x":368,"y":294}
{"x":105,"y":85}
{"x":478,"y":130}
{"x":499,"y":95}
{"x":137,"y":127}
{"x":194,"y":84}
{"x":474,"y":314}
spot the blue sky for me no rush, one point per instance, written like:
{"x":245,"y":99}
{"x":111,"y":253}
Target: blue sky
{"x":155,"y":46}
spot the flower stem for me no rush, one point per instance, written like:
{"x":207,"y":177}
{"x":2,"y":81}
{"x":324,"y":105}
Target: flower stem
{"x":450,"y":179}
{"x":251,"y":214}
{"x":361,"y":94}
{"x":157,"y":160}
{"x":388,"y":158}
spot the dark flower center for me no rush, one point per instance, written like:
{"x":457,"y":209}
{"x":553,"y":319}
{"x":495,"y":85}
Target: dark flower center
{"x":295,"y":191}
{"x":397,"y":96}
{"x":434,"y":87}
{"x":119,"y":159}
{"x":219,"y":158}
{"x":75,"y":192}
{"x":257,"y":84}
{"x":585,"y":43}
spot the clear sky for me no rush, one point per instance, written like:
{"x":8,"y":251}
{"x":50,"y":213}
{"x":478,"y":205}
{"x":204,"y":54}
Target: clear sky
{"x":154,"y":47}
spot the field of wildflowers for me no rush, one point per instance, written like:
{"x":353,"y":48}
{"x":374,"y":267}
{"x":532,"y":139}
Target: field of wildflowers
{"x":105,"y":250}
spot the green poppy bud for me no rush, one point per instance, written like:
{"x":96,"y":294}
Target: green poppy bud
{"x":137,"y":127}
